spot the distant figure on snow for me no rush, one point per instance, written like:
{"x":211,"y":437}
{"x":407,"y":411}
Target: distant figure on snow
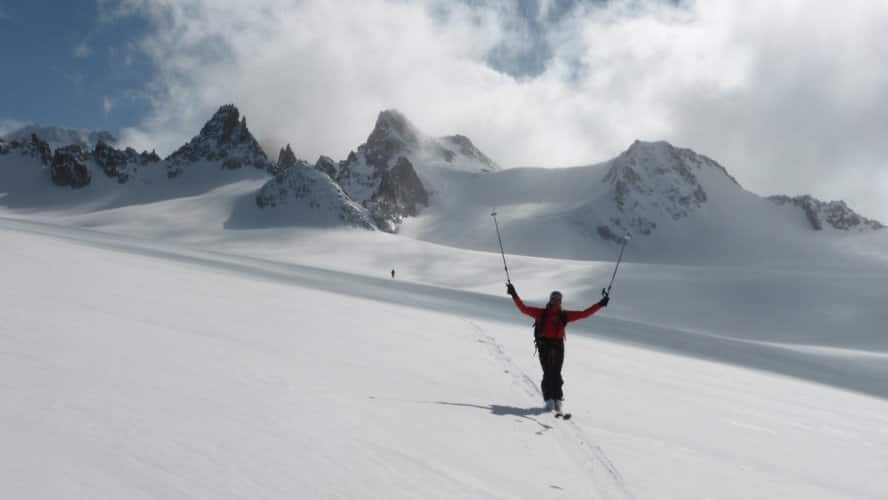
{"x":393,"y":274}
{"x":549,"y":337}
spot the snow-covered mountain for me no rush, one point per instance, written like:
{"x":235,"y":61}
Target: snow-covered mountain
{"x":828,"y":215}
{"x":72,"y":177}
{"x":680,"y":206}
{"x":299,"y":195}
{"x":391,"y":172}
{"x":650,"y":181}
{"x":57,"y":137}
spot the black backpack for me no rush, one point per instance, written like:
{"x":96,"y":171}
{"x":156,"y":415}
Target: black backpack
{"x":538,"y":326}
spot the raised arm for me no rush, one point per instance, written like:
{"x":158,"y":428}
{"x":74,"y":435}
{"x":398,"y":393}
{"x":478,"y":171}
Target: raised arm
{"x":533,"y":312}
{"x":585,"y":313}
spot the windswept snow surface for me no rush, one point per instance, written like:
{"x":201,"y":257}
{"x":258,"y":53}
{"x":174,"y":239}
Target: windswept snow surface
{"x":267,"y":364}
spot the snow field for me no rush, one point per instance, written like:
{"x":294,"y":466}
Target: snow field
{"x":139,"y":369}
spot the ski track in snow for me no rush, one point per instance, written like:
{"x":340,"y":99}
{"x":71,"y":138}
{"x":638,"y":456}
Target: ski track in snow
{"x":571,"y":437}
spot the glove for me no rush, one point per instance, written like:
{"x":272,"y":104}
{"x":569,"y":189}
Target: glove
{"x":604,"y":301}
{"x":510,"y":289}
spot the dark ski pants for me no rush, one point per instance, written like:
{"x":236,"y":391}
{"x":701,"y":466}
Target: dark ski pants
{"x":551,"y":353}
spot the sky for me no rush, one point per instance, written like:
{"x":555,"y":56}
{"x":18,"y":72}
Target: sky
{"x":788,"y":95}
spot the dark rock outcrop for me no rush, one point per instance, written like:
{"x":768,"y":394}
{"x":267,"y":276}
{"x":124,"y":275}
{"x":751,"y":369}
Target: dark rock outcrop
{"x":33,"y":146}
{"x":69,"y":168}
{"x":326,"y":165}
{"x":286,"y":158}
{"x":119,"y":164}
{"x":400,"y":194}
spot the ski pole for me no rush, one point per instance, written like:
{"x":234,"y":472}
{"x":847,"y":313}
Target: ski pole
{"x":500,"y":239}
{"x":606,"y":292}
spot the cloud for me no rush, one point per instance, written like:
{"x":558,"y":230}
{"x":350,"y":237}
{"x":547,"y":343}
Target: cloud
{"x":784,"y":94}
{"x":7,"y":126}
{"x":82,"y":50}
{"x":107,"y":105}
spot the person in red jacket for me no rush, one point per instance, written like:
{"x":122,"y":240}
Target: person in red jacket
{"x":549,"y":333}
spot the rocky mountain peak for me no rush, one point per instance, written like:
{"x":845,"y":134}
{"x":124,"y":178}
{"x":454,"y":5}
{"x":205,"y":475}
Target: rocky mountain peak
{"x":286,"y":158}
{"x":661,"y":157}
{"x":392,"y":136}
{"x":225,"y":138}
{"x":393,"y":127}
{"x":656,"y":149}
{"x":226,"y":126}
{"x":653,"y":179}
{"x":387,"y":172}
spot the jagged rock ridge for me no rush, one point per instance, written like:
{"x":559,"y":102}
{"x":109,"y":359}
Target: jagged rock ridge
{"x":33,"y":147}
{"x":72,"y":165}
{"x":286,"y":158}
{"x":834,"y":214}
{"x":119,"y":164}
{"x":226,"y":138}
{"x":385,"y":173}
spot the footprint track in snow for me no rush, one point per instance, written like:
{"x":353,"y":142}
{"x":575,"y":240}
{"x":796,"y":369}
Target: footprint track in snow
{"x":571,"y":437}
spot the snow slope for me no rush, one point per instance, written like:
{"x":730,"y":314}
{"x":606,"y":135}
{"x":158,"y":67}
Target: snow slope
{"x":138,"y":368}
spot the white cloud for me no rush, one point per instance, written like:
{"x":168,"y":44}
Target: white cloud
{"x":82,"y":50}
{"x":785,"y":94}
{"x":7,"y":126}
{"x":107,"y":105}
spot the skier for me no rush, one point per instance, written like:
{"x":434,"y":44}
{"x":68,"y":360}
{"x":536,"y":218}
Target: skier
{"x":549,"y":336}
{"x":393,"y":274}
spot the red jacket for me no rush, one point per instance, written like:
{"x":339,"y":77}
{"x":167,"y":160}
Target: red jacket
{"x":554,"y":329}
